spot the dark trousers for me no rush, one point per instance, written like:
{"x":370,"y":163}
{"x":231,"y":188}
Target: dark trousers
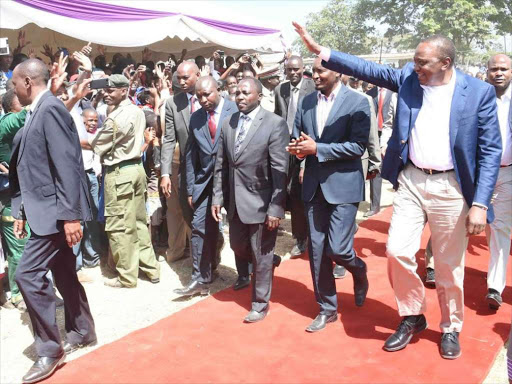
{"x":295,"y":204}
{"x":42,"y":254}
{"x":331,"y":238}
{"x":256,"y":237}
{"x":203,"y":239}
{"x":375,"y":190}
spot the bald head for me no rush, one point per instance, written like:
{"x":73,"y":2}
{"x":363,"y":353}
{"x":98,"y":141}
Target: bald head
{"x":34,"y":69}
{"x":499,"y":73}
{"x":29,"y":80}
{"x":187,"y":74}
{"x":206,"y":82}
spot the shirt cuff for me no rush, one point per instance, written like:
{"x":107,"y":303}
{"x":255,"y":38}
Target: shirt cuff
{"x":165,"y":174}
{"x":325,"y":54}
{"x":480,"y":206}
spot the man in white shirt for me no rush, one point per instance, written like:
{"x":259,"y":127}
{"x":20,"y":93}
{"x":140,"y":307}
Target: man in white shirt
{"x":499,"y":74}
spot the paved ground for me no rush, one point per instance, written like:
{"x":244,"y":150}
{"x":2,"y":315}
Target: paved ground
{"x":118,"y":312}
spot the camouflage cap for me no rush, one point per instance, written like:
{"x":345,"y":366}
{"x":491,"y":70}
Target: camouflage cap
{"x":118,"y":81}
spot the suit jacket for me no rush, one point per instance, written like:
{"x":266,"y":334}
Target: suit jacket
{"x":47,"y":170}
{"x":475,"y":139}
{"x":255,"y":178}
{"x":372,"y":158}
{"x":201,"y":153}
{"x":337,"y":166}
{"x":283,"y":91}
{"x":177,"y":119}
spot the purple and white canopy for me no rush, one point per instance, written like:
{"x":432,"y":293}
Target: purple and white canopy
{"x":71,"y":23}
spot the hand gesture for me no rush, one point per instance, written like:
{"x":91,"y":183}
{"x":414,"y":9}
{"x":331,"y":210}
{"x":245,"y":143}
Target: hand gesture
{"x":22,"y":43}
{"x":127,"y":70}
{"x":86,"y":50}
{"x":244,"y":59}
{"x":205,"y":70}
{"x":101,"y":50}
{"x":159,"y":72}
{"x":85,"y":62}
{"x":19,"y":229}
{"x":272,"y":222}
{"x":83,"y":89}
{"x":31,"y":53}
{"x":183,"y":54}
{"x":146,"y":54}
{"x":310,"y":43}
{"x":216,"y":55}
{"x":73,"y":231}
{"x":149,"y":135}
{"x":235,"y":66}
{"x":48,"y":51}
{"x":58,"y":73}
{"x":302,"y":146}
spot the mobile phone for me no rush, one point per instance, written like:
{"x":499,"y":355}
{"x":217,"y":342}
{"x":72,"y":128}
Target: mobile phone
{"x":221,"y":53}
{"x":100,"y":83}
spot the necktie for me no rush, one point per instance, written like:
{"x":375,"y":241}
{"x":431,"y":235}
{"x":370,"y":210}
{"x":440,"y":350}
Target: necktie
{"x":380,"y":118}
{"x":242,"y":133}
{"x":212,"y":127}
{"x":192,"y":104}
{"x":292,"y":108}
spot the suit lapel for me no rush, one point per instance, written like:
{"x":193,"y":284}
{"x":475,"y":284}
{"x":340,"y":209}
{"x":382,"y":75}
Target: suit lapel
{"x":342,"y":94}
{"x":252,"y":130}
{"x":233,"y":122}
{"x":313,"y":117}
{"x":183,"y":105}
{"x":205,"y":129}
{"x":285,"y":92}
{"x":226,"y":111}
{"x":27,"y":127}
{"x":457,"y":107}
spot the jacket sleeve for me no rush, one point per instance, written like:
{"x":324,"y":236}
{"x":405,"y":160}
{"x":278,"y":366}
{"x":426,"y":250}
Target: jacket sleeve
{"x":220,"y":173}
{"x":378,"y":74}
{"x":191,"y":163}
{"x":355,"y":146}
{"x":169,"y":139}
{"x":64,"y":153}
{"x":279,"y":139}
{"x":374,"y":155}
{"x":489,"y":149}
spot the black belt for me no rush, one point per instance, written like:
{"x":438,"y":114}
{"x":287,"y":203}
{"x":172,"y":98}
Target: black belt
{"x":124,"y":163}
{"x":505,"y":166}
{"x":429,"y":171}
{"x":90,"y":170}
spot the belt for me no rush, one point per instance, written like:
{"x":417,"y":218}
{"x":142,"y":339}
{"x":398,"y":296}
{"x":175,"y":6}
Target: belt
{"x":429,"y":171}
{"x":505,"y":166}
{"x":90,"y":170}
{"x":124,"y":163}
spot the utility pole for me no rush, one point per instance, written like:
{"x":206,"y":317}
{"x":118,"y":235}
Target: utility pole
{"x":380,"y":56}
{"x":505,"y":41}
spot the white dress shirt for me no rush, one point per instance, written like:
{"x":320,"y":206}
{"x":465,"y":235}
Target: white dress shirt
{"x":36,"y":101}
{"x":505,"y":125}
{"x":292,"y":107}
{"x":324,"y":107}
{"x":196,"y":103}
{"x":429,"y":141}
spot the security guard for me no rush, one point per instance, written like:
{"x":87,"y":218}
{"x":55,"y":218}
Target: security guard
{"x":119,"y":143}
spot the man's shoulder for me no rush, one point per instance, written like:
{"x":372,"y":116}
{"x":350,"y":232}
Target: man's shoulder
{"x":282,"y":87}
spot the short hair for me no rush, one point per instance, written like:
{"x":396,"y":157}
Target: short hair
{"x":295,"y":57}
{"x":256,"y":83}
{"x":7,"y":100}
{"x":35,"y":69}
{"x":18,"y":58}
{"x":151,"y":118}
{"x":89,"y":110}
{"x":444,"y":45}
{"x":492,"y":59}
{"x":9,"y":85}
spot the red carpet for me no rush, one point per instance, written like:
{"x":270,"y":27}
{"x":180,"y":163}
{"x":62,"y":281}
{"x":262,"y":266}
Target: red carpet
{"x":208,"y":343}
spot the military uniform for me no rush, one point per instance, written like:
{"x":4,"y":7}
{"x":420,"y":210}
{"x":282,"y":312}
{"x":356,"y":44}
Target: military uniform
{"x":10,"y":124}
{"x":118,"y":143}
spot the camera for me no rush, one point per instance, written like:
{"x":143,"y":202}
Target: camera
{"x":4,"y":46}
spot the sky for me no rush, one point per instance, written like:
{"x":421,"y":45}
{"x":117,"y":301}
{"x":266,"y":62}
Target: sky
{"x":277,"y":14}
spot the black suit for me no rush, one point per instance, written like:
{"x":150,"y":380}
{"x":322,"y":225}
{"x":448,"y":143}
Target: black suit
{"x":254,"y":181}
{"x":294,"y":201}
{"x":49,"y":186}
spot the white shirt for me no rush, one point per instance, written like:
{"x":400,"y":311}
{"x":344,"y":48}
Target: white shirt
{"x":324,"y":107}
{"x":505,"y":125}
{"x":33,"y":106}
{"x":251,"y":115}
{"x":196,"y":102}
{"x":268,"y":100}
{"x":429,"y":142}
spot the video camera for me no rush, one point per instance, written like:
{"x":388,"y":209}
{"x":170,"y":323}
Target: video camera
{"x":4,"y":46}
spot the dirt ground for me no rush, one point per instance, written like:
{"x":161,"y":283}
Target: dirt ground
{"x":118,"y":312}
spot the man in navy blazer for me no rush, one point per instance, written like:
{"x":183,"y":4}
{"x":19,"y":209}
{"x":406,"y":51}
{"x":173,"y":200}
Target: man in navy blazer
{"x":443,"y":158}
{"x":49,"y":189}
{"x":200,"y":154}
{"x":331,"y":129}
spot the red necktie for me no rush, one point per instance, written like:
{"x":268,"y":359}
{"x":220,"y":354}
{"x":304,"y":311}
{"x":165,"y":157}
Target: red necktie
{"x":380,"y":119}
{"x":211,"y":125}
{"x":192,"y":104}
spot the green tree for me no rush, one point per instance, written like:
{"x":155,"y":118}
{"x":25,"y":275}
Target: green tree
{"x":503,"y":18}
{"x":340,"y":26}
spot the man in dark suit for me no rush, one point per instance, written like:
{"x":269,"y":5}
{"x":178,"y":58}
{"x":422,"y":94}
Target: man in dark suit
{"x":443,"y":158}
{"x":177,"y":117}
{"x":201,"y":153}
{"x":250,"y":172}
{"x":288,"y":95}
{"x":49,"y":189}
{"x":331,"y":131}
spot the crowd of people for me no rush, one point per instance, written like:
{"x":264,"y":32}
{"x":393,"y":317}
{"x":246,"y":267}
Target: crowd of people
{"x":112,"y":162}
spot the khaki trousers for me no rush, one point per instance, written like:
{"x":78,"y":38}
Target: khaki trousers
{"x":438,"y":199}
{"x":177,"y":227}
{"x":498,"y":232}
{"x":126,"y":224}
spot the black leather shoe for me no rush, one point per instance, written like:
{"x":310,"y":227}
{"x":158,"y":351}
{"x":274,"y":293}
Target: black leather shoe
{"x":43,"y":368}
{"x":298,"y":249}
{"x":409,"y":326}
{"x":276,"y":262}
{"x":70,"y":348}
{"x":494,"y":299}
{"x":430,"y":278}
{"x":193,"y":288}
{"x":255,"y":316}
{"x":370,"y":213}
{"x":450,"y":347}
{"x":361,"y":284}
{"x":320,"y":322}
{"x":241,"y":283}
{"x":339,"y":272}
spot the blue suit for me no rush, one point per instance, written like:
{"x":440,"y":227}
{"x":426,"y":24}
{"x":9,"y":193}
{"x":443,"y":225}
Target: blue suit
{"x":333,"y":186}
{"x":475,"y":139}
{"x":201,"y":154}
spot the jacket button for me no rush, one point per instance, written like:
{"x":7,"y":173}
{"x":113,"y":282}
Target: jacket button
{"x":402,"y":141}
